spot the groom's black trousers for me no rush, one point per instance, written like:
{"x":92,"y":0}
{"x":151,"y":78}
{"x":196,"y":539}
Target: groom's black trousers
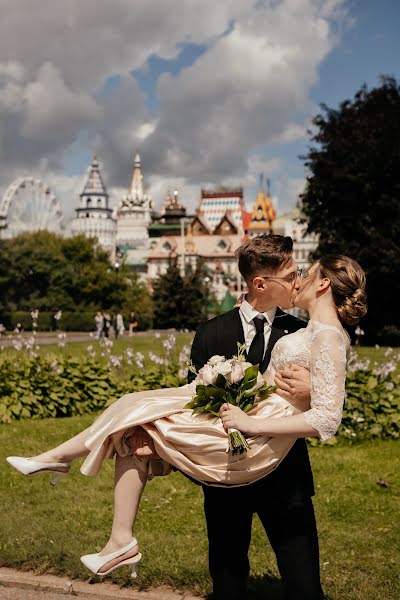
{"x":291,"y":530}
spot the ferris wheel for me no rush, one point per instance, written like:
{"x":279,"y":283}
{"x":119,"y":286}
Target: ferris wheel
{"x":29,"y":205}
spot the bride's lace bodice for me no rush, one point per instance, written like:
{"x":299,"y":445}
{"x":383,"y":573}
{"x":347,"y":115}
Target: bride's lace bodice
{"x":322,"y":349}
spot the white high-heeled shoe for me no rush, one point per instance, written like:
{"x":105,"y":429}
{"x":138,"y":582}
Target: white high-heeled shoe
{"x":94,"y":562}
{"x":29,"y":467}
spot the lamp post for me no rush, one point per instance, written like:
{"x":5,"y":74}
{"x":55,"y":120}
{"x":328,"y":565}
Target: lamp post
{"x":183,"y":221}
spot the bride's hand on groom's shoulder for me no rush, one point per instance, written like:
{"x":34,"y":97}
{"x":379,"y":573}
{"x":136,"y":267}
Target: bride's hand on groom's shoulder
{"x":294,"y":385}
{"x":234,"y":418}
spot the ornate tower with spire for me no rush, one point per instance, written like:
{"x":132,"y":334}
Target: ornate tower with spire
{"x":93,"y":216}
{"x":133,"y":220}
{"x":263,"y":214}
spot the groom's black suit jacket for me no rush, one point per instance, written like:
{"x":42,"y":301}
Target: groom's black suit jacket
{"x":293,"y":478}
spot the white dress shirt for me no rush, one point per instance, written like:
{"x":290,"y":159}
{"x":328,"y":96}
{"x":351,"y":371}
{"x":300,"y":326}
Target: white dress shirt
{"x":247,"y":314}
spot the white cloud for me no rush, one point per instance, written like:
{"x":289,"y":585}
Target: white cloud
{"x":250,"y":88}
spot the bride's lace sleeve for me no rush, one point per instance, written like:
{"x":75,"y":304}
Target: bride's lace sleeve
{"x":328,"y":375}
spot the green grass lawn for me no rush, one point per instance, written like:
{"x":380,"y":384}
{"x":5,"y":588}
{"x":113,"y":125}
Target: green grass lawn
{"x":138,"y":343}
{"x":48,"y":529}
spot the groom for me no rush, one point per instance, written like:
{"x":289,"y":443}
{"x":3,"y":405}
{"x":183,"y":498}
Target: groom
{"x":282,"y":500}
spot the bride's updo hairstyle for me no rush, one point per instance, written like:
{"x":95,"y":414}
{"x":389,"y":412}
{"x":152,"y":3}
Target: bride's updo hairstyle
{"x":347,"y":284}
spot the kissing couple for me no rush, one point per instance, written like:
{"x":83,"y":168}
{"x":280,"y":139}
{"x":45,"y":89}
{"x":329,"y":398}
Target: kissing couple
{"x":306,"y":360}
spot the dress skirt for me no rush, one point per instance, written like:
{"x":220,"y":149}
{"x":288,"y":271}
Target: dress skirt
{"x":194,"y":444}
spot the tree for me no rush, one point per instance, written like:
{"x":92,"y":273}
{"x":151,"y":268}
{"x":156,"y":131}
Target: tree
{"x":352,"y":199}
{"x":45,"y":271}
{"x":169,"y":298}
{"x":195,"y":310}
{"x":180,"y":302}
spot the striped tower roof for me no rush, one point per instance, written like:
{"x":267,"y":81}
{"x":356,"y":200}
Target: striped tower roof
{"x":216,"y":202}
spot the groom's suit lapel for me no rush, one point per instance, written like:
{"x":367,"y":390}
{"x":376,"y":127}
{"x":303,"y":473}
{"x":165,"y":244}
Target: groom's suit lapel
{"x":231,"y":333}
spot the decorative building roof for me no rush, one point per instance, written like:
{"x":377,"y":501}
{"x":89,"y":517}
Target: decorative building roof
{"x":215,"y":202}
{"x":199,"y":225}
{"x":263,"y":213}
{"x":136,"y":196}
{"x":94,"y":185}
{"x":227,"y":225}
{"x":172,"y":207}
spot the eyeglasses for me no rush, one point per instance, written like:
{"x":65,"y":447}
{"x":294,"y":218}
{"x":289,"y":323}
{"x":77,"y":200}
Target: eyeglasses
{"x":291,"y":278}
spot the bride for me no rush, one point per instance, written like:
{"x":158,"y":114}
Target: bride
{"x":333,"y":293}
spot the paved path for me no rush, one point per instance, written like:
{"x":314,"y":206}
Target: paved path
{"x":24,"y":585}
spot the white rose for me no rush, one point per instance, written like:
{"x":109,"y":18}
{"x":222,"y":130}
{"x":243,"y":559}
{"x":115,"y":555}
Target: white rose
{"x":216,"y":359}
{"x":237,"y":373}
{"x":223,"y":368}
{"x":206,"y":375}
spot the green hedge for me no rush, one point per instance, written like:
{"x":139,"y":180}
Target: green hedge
{"x":35,"y":386}
{"x":39,"y":387}
{"x":70,"y":321}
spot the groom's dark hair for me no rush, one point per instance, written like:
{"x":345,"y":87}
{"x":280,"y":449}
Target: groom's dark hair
{"x":264,"y":253}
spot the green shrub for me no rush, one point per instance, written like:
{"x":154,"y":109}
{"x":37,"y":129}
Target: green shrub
{"x":372,"y":407}
{"x":22,"y":320}
{"x":70,"y":321}
{"x":33,"y":386}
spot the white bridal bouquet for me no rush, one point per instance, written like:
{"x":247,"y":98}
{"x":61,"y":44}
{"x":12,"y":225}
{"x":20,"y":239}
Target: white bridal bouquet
{"x":230,"y":380}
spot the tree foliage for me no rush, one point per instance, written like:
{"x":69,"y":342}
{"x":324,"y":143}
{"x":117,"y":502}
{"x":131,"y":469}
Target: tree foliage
{"x":180,"y":302}
{"x":352,"y":200}
{"x":45,"y":271}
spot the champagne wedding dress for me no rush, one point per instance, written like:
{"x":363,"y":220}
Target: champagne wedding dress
{"x":196,"y":445}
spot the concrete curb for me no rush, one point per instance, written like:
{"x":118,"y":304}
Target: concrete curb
{"x":62,"y":585}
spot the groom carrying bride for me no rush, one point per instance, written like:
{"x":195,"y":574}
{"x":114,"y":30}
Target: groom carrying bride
{"x":282,"y":499}
{"x":273,"y":478}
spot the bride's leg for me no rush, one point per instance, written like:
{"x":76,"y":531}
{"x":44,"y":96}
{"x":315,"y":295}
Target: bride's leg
{"x":67,"y":451}
{"x":129,"y":483}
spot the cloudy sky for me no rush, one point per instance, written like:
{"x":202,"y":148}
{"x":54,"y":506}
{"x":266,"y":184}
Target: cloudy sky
{"x":207,"y":92}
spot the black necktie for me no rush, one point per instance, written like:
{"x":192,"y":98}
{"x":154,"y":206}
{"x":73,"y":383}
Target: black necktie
{"x":256,"y":350}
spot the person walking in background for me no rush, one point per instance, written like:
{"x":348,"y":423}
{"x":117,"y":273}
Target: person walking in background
{"x":132,"y":323}
{"x":119,"y":326}
{"x":99,"y":320}
{"x":106,"y":324}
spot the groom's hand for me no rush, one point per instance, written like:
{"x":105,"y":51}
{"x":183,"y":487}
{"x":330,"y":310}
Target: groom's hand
{"x":294,"y":385}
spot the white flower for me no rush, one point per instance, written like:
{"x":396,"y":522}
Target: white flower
{"x":206,"y":375}
{"x":223,"y":368}
{"x":238,"y":369}
{"x":216,"y":359}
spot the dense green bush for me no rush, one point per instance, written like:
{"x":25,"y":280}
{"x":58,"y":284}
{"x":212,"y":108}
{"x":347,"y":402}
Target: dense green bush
{"x":372,"y":407}
{"x":70,"y":321}
{"x":33,"y":386}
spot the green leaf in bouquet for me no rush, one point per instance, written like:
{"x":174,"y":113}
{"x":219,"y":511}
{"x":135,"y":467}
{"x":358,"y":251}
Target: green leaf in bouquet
{"x":248,"y":406}
{"x":221,"y":381}
{"x":266,"y":391}
{"x":215,"y":409}
{"x":251,"y":372}
{"x":215,"y":394}
{"x":247,"y":385}
{"x":197,"y":401}
{"x":199,"y":409}
{"x":258,"y":386}
{"x":200,"y":388}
